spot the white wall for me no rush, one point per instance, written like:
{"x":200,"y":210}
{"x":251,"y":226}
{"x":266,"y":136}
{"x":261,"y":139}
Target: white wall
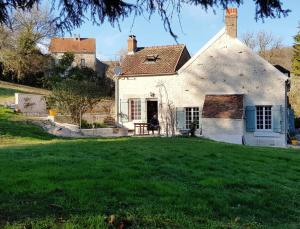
{"x":226,"y":66}
{"x":31,"y":104}
{"x":223,"y":130}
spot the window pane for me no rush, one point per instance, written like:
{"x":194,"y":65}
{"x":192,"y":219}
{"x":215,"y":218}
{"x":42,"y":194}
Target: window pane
{"x":268,"y":117}
{"x":191,"y":115}
{"x":264,"y":117}
{"x":259,"y":117}
{"x":135,"y":109}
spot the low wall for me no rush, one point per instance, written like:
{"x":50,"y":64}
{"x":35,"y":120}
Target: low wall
{"x":105,"y":132}
{"x":100,"y":113}
{"x":31,"y":104}
{"x":70,"y":130}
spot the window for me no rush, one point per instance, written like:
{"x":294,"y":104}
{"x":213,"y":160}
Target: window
{"x":191,"y":115}
{"x":264,"y":117}
{"x":82,"y":62}
{"x":135,"y":109}
{"x":151,"y":59}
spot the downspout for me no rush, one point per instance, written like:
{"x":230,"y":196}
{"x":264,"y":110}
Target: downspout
{"x":117,"y":99}
{"x":287,"y":83}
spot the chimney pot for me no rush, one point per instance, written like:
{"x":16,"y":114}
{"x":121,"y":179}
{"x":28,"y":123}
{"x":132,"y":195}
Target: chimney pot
{"x":77,"y":37}
{"x":231,"y":22}
{"x":132,"y":44}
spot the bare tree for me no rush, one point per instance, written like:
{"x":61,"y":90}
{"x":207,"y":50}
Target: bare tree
{"x":122,"y":54}
{"x":249,"y":39}
{"x":167,"y":110}
{"x":266,"y":44}
{"x":38,"y":20}
{"x":20,"y":52}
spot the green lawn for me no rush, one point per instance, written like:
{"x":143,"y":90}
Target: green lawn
{"x":8,"y":90}
{"x":7,"y":95}
{"x":143,"y":182}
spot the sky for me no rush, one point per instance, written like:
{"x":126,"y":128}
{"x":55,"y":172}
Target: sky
{"x":198,"y":26}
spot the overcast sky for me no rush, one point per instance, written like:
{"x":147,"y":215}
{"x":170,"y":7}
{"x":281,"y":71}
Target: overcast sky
{"x":198,"y":27}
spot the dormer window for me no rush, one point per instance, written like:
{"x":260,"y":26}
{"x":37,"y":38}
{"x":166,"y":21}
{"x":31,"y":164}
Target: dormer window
{"x":151,"y":58}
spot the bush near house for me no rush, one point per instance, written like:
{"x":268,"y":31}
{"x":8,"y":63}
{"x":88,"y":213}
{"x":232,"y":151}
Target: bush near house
{"x":86,"y":125}
{"x":48,"y":182}
{"x":75,"y":90}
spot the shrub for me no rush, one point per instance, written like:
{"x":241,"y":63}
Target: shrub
{"x":86,"y":125}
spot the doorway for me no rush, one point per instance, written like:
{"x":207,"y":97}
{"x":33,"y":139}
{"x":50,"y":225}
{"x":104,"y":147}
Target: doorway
{"x":152,"y":108}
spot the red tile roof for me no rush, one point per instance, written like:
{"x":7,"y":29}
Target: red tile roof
{"x":75,"y":45}
{"x":165,"y":60}
{"x":106,"y":68}
{"x":223,"y":106}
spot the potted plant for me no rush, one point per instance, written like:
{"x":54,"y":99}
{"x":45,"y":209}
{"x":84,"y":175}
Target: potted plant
{"x":50,"y":103}
{"x":293,"y":139}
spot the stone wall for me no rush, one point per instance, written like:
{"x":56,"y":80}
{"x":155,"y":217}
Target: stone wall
{"x":31,"y":104}
{"x":90,"y":59}
{"x":99,"y":114}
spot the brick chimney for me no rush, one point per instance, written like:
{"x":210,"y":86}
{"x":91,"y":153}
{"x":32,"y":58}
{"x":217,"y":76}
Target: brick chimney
{"x":132,"y":44}
{"x":231,"y":22}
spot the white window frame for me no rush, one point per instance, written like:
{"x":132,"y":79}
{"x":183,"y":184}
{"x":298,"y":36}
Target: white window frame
{"x":137,"y":114}
{"x":264,"y":118}
{"x":193,"y":111}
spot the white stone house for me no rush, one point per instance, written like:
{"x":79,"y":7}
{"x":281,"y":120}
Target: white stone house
{"x":231,"y":93}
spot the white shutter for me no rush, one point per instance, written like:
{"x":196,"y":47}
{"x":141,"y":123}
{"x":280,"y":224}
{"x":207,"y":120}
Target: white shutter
{"x":180,"y":118}
{"x":143,"y":110}
{"x":124,"y":110}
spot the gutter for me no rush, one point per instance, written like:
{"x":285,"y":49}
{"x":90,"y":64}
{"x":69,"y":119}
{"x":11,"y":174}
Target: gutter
{"x":117,"y":99}
{"x":160,"y":74}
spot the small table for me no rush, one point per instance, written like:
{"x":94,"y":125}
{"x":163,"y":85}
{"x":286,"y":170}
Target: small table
{"x":141,"y":127}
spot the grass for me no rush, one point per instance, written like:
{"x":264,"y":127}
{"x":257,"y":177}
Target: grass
{"x":7,"y":95}
{"x":8,"y":90}
{"x":143,"y":182}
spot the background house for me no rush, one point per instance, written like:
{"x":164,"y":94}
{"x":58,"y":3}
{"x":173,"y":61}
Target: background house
{"x":231,"y":93}
{"x":84,"y":50}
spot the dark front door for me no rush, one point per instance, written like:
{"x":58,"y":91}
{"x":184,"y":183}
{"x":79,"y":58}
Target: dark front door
{"x":152,"y":108}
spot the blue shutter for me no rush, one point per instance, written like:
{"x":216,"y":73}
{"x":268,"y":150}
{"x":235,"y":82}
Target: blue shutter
{"x":277,"y":113}
{"x":180,"y":118}
{"x":250,"y":118}
{"x":124,"y":107}
{"x":291,"y":120}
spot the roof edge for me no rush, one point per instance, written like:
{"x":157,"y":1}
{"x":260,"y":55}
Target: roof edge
{"x":161,"y":46}
{"x":175,"y":67}
{"x":203,"y":49}
{"x":55,"y":52}
{"x":141,"y":75}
